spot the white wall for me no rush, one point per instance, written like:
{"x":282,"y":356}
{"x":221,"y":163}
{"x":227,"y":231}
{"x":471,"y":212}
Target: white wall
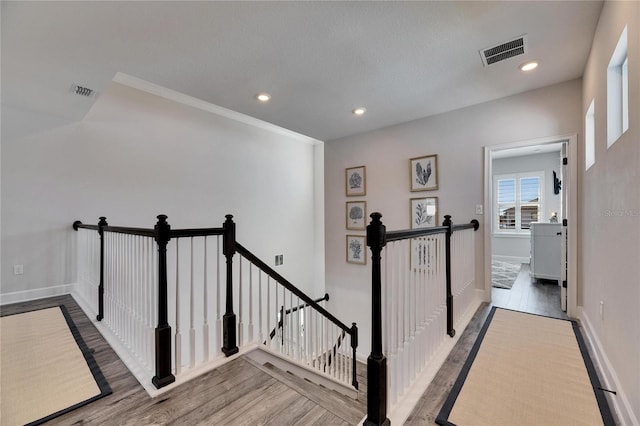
{"x":137,"y":155}
{"x":457,"y":138}
{"x":610,"y":212}
{"x":520,"y":245}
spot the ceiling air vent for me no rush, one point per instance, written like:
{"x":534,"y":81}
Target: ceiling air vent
{"x":82,"y":91}
{"x":506,"y":50}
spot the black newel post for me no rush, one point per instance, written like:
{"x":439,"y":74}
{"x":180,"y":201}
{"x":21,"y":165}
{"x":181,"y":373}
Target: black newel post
{"x":377,"y":362}
{"x":229,"y":346}
{"x":101,"y":224}
{"x":447,"y":222}
{"x":163,"y":375}
{"x":354,"y":345}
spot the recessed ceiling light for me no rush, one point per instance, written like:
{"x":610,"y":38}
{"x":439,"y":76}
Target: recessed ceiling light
{"x":359,"y":111}
{"x":529,"y":66}
{"x":263,"y":97}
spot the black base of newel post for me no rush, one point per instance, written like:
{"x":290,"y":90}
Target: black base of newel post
{"x":377,"y":362}
{"x":377,"y":398}
{"x":229,"y":335}
{"x":229,"y":343}
{"x":449,"y":224}
{"x":101,"y":224}
{"x":163,"y":375}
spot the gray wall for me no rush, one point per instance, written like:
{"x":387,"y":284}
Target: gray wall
{"x":520,"y":245}
{"x":458,"y":138}
{"x":609,"y":206}
{"x":137,"y":155}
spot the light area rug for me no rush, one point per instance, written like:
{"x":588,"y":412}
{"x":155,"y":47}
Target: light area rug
{"x":46,"y":369}
{"x":526,"y":369}
{"x":504,"y":274}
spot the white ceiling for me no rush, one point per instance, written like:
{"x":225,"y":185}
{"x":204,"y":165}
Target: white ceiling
{"x":319,"y":60}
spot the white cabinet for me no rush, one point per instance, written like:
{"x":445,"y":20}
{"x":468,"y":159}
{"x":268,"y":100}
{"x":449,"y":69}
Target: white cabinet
{"x":546,"y":243}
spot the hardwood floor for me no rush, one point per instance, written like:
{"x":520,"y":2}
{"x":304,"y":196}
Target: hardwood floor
{"x":526,"y":296}
{"x":538,"y":297}
{"x":240,"y":392}
{"x":244,"y":393}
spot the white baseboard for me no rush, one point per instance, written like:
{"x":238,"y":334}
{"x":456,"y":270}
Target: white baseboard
{"x":510,"y":259}
{"x":622,"y":409}
{"x":39,"y":293}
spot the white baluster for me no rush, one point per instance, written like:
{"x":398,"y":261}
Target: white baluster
{"x":192,"y":328}
{"x":278,"y":318}
{"x":268,"y":337}
{"x":250,"y":331}
{"x":298,"y":347}
{"x":240,"y":317}
{"x":178,"y":336}
{"x":290,"y":343}
{"x":260,"y":325}
{"x":205,"y":307}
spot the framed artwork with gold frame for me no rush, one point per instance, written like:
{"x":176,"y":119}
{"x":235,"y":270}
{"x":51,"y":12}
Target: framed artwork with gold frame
{"x":356,"y":181}
{"x":424,"y":173}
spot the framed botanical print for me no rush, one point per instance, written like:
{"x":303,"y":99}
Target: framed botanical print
{"x":356,"y":181}
{"x":356,"y":214}
{"x":424,"y":173}
{"x":424,"y":212}
{"x":356,"y":249}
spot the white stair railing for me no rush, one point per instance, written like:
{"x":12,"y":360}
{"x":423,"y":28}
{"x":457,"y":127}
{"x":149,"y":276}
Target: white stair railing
{"x":422,"y":283}
{"x":160,"y":293}
{"x":274,"y":313}
{"x":414,"y":307}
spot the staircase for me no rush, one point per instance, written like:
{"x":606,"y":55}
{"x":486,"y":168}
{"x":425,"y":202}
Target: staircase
{"x":175,"y":303}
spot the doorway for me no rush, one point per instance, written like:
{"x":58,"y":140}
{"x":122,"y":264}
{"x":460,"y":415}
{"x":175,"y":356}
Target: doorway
{"x":528,"y":201}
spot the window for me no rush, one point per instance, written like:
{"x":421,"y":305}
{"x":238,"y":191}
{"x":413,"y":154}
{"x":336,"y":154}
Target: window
{"x":618,"y":91}
{"x":589,"y":137}
{"x":518,"y":201}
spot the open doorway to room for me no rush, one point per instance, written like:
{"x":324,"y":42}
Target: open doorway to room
{"x":525,"y":218}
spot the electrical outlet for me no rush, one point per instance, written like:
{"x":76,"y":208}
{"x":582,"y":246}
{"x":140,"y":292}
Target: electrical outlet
{"x":18,"y":269}
{"x":478,"y":208}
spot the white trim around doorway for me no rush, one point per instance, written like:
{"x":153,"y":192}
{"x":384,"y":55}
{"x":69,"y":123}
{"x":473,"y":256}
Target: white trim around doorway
{"x":572,"y":282}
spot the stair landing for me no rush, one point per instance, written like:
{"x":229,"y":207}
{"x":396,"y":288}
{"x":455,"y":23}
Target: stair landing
{"x":240,"y":392}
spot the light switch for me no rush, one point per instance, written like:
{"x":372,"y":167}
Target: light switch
{"x":478,"y":208}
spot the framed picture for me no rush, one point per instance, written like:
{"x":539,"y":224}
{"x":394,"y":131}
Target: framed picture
{"x":423,"y":253}
{"x":356,"y":249}
{"x":424,"y":173}
{"x":356,"y":214}
{"x":424,"y":212}
{"x":356,"y":181}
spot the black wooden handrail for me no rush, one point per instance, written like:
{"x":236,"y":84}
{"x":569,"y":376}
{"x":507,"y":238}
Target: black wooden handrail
{"x":149,"y":232}
{"x":143,"y":232}
{"x":416,"y":233}
{"x":288,"y":311}
{"x":377,"y":238}
{"x":196,"y":232}
{"x":304,"y":305}
{"x":352,"y":331}
{"x":162,"y":234}
{"x":79,"y":225}
{"x":286,"y":284}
